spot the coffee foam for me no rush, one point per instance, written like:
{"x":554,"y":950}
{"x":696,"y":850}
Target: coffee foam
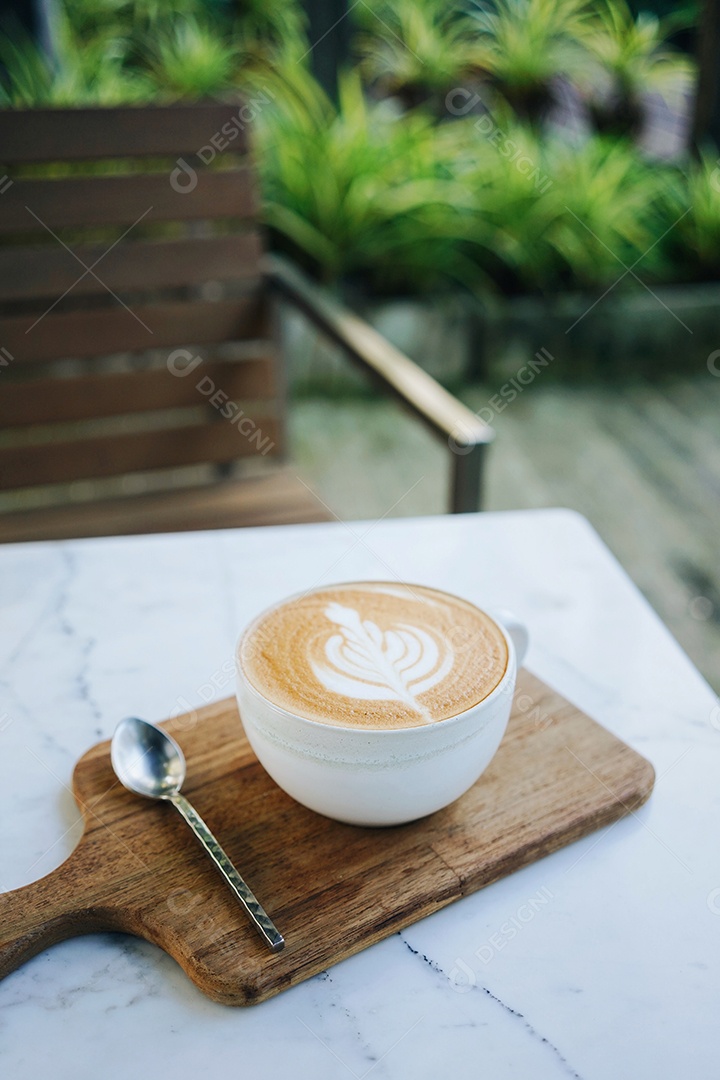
{"x":375,"y":655}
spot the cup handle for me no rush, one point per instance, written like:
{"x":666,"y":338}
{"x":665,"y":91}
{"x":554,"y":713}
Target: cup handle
{"x":518,"y":631}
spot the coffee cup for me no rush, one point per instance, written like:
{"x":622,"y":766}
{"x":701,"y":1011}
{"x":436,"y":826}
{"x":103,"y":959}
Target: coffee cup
{"x":376,"y":703}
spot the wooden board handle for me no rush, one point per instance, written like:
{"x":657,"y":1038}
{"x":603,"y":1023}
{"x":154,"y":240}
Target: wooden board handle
{"x":52,"y":909}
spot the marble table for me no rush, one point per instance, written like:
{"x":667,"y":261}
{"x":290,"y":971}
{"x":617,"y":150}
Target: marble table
{"x":598,"y":962}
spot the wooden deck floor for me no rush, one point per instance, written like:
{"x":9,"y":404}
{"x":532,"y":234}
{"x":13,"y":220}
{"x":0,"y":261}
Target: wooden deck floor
{"x":641,"y":462}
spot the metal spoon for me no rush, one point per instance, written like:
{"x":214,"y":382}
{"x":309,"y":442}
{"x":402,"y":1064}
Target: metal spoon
{"x":149,"y":762}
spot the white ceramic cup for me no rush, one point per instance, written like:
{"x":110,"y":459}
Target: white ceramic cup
{"x":379,"y":776}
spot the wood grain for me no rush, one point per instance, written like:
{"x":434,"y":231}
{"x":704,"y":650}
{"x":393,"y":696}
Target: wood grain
{"x":83,"y":202}
{"x":94,"y":396}
{"x":279,"y":498}
{"x":140,"y":451}
{"x":332,"y":889}
{"x":50,"y":270}
{"x":82,"y":334}
{"x":28,"y":135}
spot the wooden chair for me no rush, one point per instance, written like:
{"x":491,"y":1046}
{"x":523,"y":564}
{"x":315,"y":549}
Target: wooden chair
{"x":140,"y":383}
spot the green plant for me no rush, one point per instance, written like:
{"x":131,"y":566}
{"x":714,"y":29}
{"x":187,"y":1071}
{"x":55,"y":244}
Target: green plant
{"x":499,"y":169}
{"x":267,"y":23}
{"x":114,"y":51}
{"x":486,"y":202}
{"x":691,"y":204}
{"x":358,"y":191}
{"x":127,"y":18}
{"x":632,"y":58}
{"x":83,"y":71}
{"x":191,"y":59}
{"x":416,"y":48}
{"x":526,"y":44}
{"x":604,"y":215}
{"x":548,"y":217}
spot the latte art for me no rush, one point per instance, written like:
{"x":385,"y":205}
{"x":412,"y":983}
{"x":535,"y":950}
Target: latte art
{"x":367,"y":663}
{"x":374,"y":655}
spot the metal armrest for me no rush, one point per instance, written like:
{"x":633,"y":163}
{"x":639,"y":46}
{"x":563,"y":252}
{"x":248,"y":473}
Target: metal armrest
{"x":464,"y":433}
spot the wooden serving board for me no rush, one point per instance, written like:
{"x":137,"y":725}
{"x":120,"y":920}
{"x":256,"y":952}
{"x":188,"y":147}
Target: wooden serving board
{"x":332,"y":889}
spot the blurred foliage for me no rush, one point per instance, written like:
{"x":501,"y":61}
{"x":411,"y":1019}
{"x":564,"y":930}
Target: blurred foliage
{"x":416,"y":48}
{"x":607,"y":214}
{"x":354,"y":190}
{"x":529,"y":43}
{"x":522,"y":49}
{"x":114,"y":51}
{"x":190,"y":59}
{"x":411,"y":205}
{"x":389,"y":187}
{"x":632,"y":58}
{"x":86,"y":69}
{"x":692,"y":211}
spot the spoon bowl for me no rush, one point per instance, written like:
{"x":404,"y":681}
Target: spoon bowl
{"x":146,"y":760}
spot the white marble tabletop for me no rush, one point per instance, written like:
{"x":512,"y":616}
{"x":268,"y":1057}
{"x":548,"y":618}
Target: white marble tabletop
{"x":598,"y":962}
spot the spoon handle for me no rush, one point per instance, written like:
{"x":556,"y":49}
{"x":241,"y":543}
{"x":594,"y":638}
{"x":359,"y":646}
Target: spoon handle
{"x":260,"y":919}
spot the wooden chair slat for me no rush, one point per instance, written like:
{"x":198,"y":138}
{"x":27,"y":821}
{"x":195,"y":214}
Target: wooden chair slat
{"x":90,"y":201}
{"x":277,"y":499}
{"x":87,"y":397}
{"x":97,"y":333}
{"x":50,"y":270}
{"x":115,"y":455}
{"x":28,"y":135}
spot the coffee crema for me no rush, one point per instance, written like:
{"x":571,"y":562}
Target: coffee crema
{"x":375,"y":655}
